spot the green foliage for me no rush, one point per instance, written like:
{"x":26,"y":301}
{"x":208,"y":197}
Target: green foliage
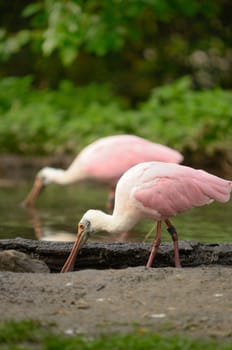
{"x":134,"y":47}
{"x":10,"y":45}
{"x":65,"y":120}
{"x":97,"y":26}
{"x":49,"y":121}
{"x":33,"y":335}
{"x":185,"y":118}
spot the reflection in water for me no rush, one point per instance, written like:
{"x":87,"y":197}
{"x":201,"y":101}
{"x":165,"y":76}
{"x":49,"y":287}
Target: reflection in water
{"x":58,"y":213}
{"x":44,"y":233}
{"x":49,"y":235}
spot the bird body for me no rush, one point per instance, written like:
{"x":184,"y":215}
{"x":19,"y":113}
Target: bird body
{"x":157,"y":191}
{"x":108,"y":158}
{"x":104,"y":160}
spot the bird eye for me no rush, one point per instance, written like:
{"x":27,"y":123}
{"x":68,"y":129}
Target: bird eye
{"x":81,"y":226}
{"x":43,"y":179}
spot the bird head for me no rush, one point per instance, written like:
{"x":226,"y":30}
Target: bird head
{"x":44,"y":177}
{"x":89,"y":224}
{"x":49,"y":175}
{"x":84,"y":231}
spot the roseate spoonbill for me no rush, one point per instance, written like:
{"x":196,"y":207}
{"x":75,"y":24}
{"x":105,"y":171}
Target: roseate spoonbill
{"x":152,"y":190}
{"x":104,"y":160}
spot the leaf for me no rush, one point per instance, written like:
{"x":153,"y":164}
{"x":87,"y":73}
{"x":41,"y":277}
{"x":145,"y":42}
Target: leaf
{"x":32,"y":9}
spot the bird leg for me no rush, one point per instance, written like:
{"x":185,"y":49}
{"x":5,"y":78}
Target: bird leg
{"x":155,"y":244}
{"x":171,"y":229}
{"x":110,"y":200}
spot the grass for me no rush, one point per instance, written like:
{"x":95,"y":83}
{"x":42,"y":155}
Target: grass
{"x":29,"y":335}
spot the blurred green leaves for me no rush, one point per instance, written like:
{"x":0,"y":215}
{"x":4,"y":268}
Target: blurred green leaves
{"x":135,"y":45}
{"x":97,"y":27}
{"x":52,"y":121}
{"x":192,"y":119}
{"x":65,"y":29}
{"x":12,"y":44}
{"x":66,"y":119}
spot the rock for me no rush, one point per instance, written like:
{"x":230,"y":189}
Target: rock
{"x":15,"y":261}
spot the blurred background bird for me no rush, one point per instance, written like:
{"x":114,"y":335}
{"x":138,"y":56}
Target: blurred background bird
{"x":104,"y":160}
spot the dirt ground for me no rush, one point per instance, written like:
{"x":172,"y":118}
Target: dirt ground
{"x":195,"y":301}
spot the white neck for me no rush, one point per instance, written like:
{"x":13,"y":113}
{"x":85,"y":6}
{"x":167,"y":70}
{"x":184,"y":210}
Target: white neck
{"x":57,"y":176}
{"x":114,"y":223}
{"x":60,"y":176}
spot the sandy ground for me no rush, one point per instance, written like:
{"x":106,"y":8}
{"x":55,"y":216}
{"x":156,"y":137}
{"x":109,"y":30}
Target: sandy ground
{"x":195,"y":301}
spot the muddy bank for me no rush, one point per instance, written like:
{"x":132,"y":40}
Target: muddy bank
{"x":194,"y":301}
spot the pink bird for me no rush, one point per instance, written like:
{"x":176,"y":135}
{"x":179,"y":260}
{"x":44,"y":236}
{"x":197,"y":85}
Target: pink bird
{"x":104,"y":160}
{"x":156,"y":191}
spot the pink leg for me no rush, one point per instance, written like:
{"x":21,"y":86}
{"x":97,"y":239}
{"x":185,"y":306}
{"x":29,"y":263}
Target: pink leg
{"x":155,"y":244}
{"x":171,"y":229}
{"x":110,"y":200}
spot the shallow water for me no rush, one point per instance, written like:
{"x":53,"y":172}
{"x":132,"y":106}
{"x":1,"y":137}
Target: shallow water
{"x":60,"y":208}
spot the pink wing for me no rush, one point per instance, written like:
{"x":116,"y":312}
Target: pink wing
{"x":110,"y":157}
{"x":171,"y":195}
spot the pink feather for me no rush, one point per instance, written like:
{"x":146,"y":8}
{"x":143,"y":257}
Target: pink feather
{"x":168,"y":189}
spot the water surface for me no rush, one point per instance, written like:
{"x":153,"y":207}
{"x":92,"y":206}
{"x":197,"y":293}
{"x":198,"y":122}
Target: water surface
{"x":60,"y":208}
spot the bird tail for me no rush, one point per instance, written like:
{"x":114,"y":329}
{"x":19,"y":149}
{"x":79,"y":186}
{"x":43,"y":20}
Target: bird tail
{"x":218,"y":188}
